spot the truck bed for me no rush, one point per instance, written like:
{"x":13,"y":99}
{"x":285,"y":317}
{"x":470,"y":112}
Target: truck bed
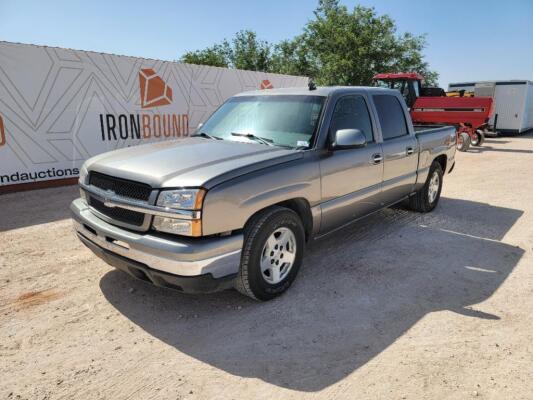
{"x":423,"y":129}
{"x":434,"y":140}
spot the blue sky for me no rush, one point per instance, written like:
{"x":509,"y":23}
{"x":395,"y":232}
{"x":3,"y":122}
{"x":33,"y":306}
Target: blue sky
{"x":467,"y":40}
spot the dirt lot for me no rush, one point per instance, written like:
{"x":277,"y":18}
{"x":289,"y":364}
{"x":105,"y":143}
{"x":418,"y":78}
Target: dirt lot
{"x":400,"y":306}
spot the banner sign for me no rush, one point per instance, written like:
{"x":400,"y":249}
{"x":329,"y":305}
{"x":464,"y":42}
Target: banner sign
{"x":58,"y":107}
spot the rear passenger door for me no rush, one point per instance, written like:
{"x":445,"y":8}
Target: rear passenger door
{"x":400,"y":149}
{"x":351,"y":178}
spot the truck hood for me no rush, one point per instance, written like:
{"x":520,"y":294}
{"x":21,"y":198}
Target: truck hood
{"x":190,"y":162}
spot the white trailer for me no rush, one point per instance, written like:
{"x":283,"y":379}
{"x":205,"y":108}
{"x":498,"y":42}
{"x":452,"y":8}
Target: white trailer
{"x":513,"y":103}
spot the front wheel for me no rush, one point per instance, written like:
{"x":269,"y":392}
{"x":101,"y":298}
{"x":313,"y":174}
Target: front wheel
{"x":427,"y":198}
{"x":272,"y":253}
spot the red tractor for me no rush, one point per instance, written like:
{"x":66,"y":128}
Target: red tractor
{"x":429,"y":105}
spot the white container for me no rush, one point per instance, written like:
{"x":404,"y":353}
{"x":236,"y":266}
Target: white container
{"x":513,"y":103}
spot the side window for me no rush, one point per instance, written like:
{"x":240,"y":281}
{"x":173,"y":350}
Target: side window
{"x":351,"y":112}
{"x":391,"y":116}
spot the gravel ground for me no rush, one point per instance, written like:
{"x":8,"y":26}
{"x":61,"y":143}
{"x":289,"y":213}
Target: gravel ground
{"x":398,"y":306}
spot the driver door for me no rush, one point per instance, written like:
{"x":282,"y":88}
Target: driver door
{"x":351,"y":178}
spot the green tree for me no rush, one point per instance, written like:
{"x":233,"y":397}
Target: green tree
{"x":336,"y":47}
{"x":290,"y":57}
{"x":245,"y":51}
{"x":348,"y":48}
{"x":248,"y":52}
{"x":215,"y":56}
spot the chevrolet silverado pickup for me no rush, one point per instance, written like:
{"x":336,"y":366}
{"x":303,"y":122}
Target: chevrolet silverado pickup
{"x":235,"y":204}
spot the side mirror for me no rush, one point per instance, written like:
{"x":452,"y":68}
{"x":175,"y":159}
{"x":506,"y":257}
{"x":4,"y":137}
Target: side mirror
{"x":348,"y":139}
{"x":199,"y":125}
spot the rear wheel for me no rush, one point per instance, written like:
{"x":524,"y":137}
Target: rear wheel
{"x":478,"y":139}
{"x":463,"y":141}
{"x":272,"y":253}
{"x":427,"y":198}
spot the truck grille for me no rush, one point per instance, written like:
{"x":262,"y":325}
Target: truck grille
{"x":121,"y":187}
{"x":116,"y":213}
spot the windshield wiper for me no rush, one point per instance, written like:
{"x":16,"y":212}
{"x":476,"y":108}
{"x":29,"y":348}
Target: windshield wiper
{"x":268,"y":142}
{"x":206,"y":135}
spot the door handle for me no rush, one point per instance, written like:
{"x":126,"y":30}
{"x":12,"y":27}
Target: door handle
{"x":377,"y":158}
{"x":409,"y":150}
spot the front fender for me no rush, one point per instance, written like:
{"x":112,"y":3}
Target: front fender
{"x":229,"y":205}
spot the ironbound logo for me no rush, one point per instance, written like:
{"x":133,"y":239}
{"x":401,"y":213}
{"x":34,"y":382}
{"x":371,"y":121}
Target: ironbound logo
{"x":154,"y":92}
{"x":265,"y":84}
{"x":2,"y":132}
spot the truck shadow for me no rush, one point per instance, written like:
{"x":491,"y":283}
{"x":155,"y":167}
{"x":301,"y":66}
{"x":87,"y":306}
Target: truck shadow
{"x":358,"y":291}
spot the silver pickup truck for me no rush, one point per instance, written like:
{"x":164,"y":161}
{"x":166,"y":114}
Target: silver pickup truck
{"x":235,"y":204}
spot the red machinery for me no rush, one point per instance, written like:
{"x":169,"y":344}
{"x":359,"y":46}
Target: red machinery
{"x":431,"y":106}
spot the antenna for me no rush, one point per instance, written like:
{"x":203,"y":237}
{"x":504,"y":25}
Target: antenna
{"x":311,"y":85}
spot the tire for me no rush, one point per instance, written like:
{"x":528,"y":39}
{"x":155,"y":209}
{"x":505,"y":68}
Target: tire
{"x":262,"y":233}
{"x":479,"y":139}
{"x":427,"y":198}
{"x":463,"y":141}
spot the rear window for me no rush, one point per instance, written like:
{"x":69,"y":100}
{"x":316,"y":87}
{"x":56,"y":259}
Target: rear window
{"x":391,"y":116}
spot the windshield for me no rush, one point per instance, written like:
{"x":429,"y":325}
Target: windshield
{"x":281,"y":120}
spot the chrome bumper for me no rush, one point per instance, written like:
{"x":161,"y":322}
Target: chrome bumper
{"x":181,"y":256}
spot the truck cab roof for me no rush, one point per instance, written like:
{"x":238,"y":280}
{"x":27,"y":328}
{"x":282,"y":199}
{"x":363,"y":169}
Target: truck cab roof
{"x":324,"y":91}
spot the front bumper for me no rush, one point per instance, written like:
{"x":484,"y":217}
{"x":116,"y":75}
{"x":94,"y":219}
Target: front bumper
{"x":187,"y":264}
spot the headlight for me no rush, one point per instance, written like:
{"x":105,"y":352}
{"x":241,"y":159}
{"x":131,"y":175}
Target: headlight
{"x":183,"y":199}
{"x":83,"y":179}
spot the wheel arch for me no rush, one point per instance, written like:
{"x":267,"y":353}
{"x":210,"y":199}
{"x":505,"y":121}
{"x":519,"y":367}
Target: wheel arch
{"x":300,"y":206}
{"x":443,"y":161}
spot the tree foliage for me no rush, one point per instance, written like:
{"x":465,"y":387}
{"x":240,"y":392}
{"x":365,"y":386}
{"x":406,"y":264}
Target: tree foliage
{"x":336,"y":47}
{"x":214,"y":56}
{"x":248,"y":52}
{"x":245,"y":51}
